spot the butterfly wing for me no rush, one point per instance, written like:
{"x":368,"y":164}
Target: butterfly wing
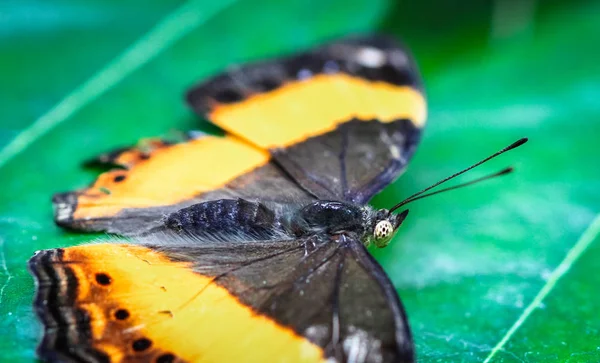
{"x":293,"y":301}
{"x":156,"y":178}
{"x":343,"y":120}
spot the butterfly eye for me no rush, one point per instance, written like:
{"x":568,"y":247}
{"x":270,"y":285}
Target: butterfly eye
{"x":383,"y":233}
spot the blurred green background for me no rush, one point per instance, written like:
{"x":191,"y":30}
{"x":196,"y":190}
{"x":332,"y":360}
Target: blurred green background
{"x":79,"y":77}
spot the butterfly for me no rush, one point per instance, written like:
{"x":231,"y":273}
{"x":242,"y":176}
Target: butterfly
{"x":250,"y":246}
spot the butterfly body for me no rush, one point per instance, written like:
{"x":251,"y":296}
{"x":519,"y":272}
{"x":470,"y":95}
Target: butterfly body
{"x":228,"y":219}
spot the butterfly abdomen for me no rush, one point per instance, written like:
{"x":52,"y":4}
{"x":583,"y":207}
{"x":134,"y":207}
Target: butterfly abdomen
{"x":227,"y":217}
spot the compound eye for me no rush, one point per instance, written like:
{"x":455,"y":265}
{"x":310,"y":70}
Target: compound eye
{"x":383,"y":232}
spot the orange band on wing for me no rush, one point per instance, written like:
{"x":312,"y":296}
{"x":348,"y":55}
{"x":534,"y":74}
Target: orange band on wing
{"x":170,"y":175}
{"x":300,"y":109}
{"x":176,"y":310}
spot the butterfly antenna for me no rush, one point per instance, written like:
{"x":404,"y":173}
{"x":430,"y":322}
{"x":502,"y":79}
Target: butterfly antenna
{"x":466,"y":184}
{"x":421,"y":194}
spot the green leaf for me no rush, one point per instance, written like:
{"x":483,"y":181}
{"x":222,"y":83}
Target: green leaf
{"x":501,"y":270}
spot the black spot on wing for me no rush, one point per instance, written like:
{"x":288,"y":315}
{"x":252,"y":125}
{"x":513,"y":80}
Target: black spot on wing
{"x":141,"y":344}
{"x":122,"y":314}
{"x":166,"y":358}
{"x":103,"y":279}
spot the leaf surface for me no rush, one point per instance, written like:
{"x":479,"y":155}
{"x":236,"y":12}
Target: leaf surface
{"x":467,"y":264}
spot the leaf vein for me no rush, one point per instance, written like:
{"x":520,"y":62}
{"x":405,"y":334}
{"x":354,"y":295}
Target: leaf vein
{"x":586,"y":239}
{"x":165,"y":33}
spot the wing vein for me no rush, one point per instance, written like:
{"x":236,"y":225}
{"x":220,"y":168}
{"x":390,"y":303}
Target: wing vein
{"x":245,"y":264}
{"x":296,"y":281}
{"x":335,"y":316}
{"x":342,"y":160}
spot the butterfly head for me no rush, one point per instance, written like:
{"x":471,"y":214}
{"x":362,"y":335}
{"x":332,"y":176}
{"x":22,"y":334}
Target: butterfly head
{"x":385,"y":227}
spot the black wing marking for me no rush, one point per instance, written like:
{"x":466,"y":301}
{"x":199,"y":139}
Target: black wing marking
{"x":353,"y":162}
{"x":340,"y":56}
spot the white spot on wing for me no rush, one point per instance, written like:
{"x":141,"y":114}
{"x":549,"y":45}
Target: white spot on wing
{"x":358,"y":345}
{"x":395,"y":151}
{"x":304,"y":74}
{"x":370,"y":57}
{"x":63,"y":211}
{"x":398,"y":59}
{"x":316,"y":333}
